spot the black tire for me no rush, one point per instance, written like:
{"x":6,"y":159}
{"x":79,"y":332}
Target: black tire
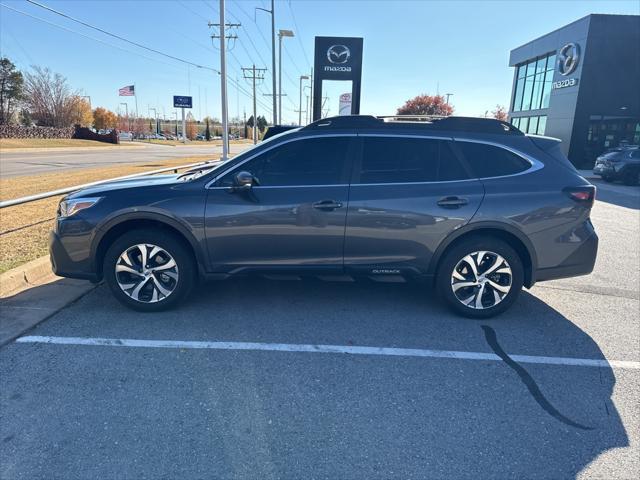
{"x":459,"y":251}
{"x":180,"y":287}
{"x":631,"y":178}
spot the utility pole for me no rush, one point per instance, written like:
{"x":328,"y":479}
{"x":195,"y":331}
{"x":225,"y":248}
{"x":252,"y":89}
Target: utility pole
{"x":311,"y":95}
{"x":273,"y":58}
{"x":448,"y":95}
{"x":256,"y":74}
{"x":223,"y":77}
{"x":302,"y":77}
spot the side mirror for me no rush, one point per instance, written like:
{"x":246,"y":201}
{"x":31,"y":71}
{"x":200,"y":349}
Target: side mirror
{"x":243,"y":181}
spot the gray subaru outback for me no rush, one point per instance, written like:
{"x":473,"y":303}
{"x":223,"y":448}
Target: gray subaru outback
{"x":470,"y":206}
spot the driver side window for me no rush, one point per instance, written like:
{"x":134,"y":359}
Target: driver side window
{"x":313,"y":161}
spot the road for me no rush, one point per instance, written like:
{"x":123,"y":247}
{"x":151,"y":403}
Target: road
{"x":13,"y":164}
{"x":270,"y":379}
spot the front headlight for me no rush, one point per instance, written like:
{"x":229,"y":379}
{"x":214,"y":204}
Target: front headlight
{"x":73,"y":206}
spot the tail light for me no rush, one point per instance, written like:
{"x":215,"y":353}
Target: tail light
{"x":584,"y":195}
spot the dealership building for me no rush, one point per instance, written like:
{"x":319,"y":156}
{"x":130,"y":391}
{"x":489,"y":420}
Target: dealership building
{"x":581,"y":84}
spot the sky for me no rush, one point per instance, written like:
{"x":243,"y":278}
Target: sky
{"x":410,"y":48}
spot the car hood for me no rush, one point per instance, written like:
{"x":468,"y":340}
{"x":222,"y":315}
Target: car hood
{"x":103,"y":188}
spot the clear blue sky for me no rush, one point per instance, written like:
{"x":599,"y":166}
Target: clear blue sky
{"x":410,"y":47}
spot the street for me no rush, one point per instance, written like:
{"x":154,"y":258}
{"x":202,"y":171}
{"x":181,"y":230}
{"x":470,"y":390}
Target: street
{"x":13,"y":164}
{"x":257,"y":378}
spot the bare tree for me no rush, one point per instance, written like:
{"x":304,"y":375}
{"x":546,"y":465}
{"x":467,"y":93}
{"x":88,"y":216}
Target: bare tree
{"x":50,"y":99}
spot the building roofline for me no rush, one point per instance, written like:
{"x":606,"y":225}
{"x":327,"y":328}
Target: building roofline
{"x":571,"y":23}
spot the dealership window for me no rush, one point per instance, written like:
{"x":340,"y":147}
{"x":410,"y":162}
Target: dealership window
{"x":533,"y":84}
{"x":536,"y":124}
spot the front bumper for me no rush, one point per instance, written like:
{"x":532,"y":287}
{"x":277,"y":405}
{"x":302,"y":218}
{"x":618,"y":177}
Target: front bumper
{"x":64,"y":265}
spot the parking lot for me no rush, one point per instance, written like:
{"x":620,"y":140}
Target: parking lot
{"x":275,"y":378}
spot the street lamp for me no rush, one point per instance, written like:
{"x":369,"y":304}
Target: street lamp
{"x":302,"y":77}
{"x":281,"y":35}
{"x":126,"y":110}
{"x":155,"y":114}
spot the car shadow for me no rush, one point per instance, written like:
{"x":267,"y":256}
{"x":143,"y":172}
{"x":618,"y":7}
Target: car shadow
{"x":566,"y":418}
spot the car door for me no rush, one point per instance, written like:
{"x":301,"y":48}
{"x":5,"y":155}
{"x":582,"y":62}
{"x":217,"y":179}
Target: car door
{"x":293,"y":217}
{"x":407,"y":194}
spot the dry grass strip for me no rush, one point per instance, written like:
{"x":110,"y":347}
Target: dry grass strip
{"x":24,"y":229}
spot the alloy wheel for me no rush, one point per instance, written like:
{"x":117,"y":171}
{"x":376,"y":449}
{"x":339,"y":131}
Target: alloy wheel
{"x":147,"y":273}
{"x":481,"y":280}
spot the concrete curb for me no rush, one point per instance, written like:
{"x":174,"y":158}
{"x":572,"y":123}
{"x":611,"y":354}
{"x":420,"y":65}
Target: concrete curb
{"x":31,"y":293}
{"x":24,"y":276}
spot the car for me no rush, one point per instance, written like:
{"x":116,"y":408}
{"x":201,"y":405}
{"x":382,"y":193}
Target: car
{"x":472,"y":207}
{"x":620,"y":164}
{"x":125,"y":136}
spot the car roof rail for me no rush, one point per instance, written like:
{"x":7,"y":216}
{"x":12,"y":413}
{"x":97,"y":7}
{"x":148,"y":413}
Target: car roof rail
{"x":427,"y":122}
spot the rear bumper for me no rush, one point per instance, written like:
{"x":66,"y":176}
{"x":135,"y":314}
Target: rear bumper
{"x":580,"y":262}
{"x":63,"y":265}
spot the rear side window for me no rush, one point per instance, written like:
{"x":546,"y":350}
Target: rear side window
{"x":408,"y":160}
{"x":491,"y":161}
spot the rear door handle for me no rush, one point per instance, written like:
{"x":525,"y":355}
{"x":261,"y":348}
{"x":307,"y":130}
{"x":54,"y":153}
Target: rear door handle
{"x":452,"y":202}
{"x":327,"y":205}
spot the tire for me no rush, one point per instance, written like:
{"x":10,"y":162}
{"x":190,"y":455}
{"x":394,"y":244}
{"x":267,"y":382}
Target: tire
{"x":507,"y":276}
{"x":631,"y":178}
{"x":167,"y":281}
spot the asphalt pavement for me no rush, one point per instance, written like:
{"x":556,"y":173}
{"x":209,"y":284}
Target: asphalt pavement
{"x":257,"y":378}
{"x":13,"y":164}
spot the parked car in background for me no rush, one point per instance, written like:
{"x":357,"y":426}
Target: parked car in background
{"x":200,"y":137}
{"x":472,"y":206}
{"x":620,"y":164}
{"x":125,"y":136}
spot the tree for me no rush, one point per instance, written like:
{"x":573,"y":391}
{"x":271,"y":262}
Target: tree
{"x":192,"y":128}
{"x":207,"y":132}
{"x":426,"y":105}
{"x":500,"y":113}
{"x":103,"y":119}
{"x":81,"y":113}
{"x":262,"y":123}
{"x":11,"y":83}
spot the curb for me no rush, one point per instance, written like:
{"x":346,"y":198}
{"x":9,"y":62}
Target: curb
{"x":31,"y":293}
{"x":24,"y":276}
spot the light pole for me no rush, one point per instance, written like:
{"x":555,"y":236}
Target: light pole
{"x":155,"y":114}
{"x":448,"y":95}
{"x":302,"y":77}
{"x":126,"y":112}
{"x":281,"y":34}
{"x":175,"y":112}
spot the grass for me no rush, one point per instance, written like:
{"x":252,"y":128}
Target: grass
{"x":9,"y":143}
{"x":24,"y":229}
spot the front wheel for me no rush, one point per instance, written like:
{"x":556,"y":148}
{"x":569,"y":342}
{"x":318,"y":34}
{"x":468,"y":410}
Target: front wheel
{"x":480,"y":277}
{"x":149,"y":271}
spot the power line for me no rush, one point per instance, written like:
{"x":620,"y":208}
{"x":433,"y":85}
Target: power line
{"x":139,"y":45}
{"x":299,"y":35}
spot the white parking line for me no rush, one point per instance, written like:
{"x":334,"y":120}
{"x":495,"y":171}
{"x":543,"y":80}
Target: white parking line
{"x":305,"y":348}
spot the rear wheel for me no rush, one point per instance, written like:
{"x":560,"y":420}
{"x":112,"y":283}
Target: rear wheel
{"x":631,"y":178}
{"x":480,"y":277}
{"x":149,"y":270}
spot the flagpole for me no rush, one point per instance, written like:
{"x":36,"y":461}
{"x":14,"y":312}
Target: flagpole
{"x":135,"y":96}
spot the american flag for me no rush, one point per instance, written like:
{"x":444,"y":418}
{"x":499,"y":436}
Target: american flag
{"x":128,"y":91}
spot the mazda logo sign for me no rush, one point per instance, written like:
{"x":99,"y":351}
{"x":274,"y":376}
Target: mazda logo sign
{"x":338,"y":54}
{"x":568,"y":58}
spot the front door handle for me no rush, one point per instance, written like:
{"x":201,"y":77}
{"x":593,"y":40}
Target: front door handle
{"x":327,"y":205}
{"x":452,"y":202}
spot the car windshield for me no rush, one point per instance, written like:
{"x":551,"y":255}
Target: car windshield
{"x":199,"y":171}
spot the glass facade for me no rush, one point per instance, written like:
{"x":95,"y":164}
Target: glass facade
{"x":533,"y":86}
{"x":536,"y":124}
